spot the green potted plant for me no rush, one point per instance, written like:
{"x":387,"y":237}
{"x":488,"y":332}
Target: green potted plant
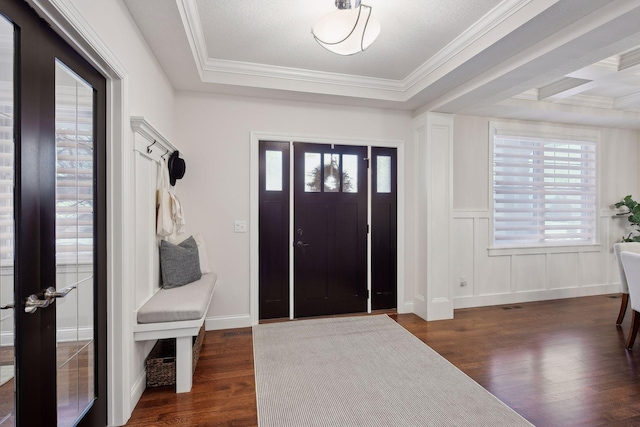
{"x":633,"y":215}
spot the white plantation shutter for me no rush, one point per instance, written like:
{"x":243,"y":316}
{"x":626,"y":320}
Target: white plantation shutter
{"x":544,"y":190}
{"x":74,"y":171}
{"x":6,"y":175}
{"x":74,"y":174}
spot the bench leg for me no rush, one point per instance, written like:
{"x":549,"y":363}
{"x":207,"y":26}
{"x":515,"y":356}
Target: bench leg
{"x":184,"y":370}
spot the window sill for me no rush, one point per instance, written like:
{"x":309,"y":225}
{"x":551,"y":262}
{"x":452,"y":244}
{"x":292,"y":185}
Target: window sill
{"x":532,"y":250}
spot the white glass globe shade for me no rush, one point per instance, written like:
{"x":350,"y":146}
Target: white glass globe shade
{"x":348,"y":31}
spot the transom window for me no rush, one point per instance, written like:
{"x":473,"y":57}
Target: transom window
{"x":544,"y":185}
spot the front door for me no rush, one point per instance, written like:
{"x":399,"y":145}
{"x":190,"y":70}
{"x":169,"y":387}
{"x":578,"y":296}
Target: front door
{"x":330,"y":229}
{"x":52,"y":228}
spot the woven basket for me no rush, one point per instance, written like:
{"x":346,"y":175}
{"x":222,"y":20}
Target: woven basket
{"x":161,"y":362}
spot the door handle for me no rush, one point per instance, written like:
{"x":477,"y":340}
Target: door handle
{"x":33,"y":303}
{"x":6,"y":307}
{"x":302,"y":245}
{"x":52,"y":294}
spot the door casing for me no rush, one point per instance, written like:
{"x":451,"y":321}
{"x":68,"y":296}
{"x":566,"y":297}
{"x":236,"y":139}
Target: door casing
{"x":256,"y":137}
{"x":120,"y":198}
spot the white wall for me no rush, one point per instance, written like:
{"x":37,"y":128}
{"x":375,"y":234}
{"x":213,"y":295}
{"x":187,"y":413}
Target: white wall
{"x":528,"y":276}
{"x":215,"y":132}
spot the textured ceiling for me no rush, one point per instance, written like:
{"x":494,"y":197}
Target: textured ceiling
{"x":278,"y":32}
{"x":462,"y":56}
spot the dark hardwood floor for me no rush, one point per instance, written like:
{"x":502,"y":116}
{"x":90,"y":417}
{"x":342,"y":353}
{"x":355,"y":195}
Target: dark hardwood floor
{"x":557,"y":363}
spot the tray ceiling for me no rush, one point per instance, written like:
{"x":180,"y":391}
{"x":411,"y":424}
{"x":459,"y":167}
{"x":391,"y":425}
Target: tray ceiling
{"x":465,"y":56}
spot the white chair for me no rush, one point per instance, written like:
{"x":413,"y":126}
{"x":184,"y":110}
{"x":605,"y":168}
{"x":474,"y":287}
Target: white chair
{"x":631,"y":265}
{"x":617,"y":248}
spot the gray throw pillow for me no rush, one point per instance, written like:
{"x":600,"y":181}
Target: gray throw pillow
{"x":179,"y":264}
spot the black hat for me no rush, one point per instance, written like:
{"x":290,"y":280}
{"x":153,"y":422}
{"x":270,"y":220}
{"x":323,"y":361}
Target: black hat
{"x":176,"y":166}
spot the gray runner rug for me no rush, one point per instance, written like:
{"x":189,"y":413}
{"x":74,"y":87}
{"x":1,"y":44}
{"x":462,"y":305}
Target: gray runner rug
{"x":363,"y":371}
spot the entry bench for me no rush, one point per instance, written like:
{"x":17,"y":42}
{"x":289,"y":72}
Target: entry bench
{"x":177,"y":313}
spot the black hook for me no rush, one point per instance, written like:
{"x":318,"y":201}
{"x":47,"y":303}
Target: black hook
{"x":166,"y":152}
{"x":149,"y":150}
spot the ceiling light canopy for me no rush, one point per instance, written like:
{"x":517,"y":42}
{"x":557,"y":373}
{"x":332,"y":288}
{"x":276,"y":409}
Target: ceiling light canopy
{"x":349,"y":30}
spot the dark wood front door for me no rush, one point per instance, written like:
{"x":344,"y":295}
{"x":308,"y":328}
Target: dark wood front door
{"x":330,"y":229}
{"x":53,"y":225}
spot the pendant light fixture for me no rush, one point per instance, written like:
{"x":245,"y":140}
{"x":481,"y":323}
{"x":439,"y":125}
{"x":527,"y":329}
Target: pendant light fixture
{"x":347,"y":31}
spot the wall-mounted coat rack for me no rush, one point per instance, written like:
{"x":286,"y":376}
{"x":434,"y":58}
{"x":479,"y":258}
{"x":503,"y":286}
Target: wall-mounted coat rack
{"x":149,"y":142}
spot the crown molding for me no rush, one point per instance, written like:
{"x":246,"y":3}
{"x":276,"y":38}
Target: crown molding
{"x":629,"y":59}
{"x":213,"y":70}
{"x":192,"y":24}
{"x":297,"y":74}
{"x":612,"y":63}
{"x":560,"y":88}
{"x":529,"y":95}
{"x":471,"y":35}
{"x":629,"y":102}
{"x":580,"y":100}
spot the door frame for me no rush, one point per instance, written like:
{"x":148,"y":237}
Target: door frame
{"x":66,"y":20}
{"x":254,"y":234}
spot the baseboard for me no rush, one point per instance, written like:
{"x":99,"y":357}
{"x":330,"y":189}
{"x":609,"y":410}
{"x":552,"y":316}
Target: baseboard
{"x":531,"y":296}
{"x":138,"y":388}
{"x":407,"y":307}
{"x":215,"y":323}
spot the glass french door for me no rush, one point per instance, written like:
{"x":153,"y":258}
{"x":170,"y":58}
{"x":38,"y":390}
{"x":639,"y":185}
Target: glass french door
{"x":52,"y":228}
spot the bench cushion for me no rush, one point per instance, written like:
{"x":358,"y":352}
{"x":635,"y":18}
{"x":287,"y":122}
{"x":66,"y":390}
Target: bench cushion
{"x":187,"y":302}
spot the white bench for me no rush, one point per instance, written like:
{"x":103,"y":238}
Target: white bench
{"x":177,"y":313}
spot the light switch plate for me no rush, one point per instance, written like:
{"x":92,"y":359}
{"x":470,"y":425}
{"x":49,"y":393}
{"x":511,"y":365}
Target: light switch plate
{"x":240,"y":227}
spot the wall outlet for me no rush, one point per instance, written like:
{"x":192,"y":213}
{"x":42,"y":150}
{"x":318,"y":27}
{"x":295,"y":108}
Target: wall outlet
{"x":240,"y":227}
{"x":463,"y":281}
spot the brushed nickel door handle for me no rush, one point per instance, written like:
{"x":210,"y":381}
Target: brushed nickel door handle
{"x":52,"y":294}
{"x":33,"y":303}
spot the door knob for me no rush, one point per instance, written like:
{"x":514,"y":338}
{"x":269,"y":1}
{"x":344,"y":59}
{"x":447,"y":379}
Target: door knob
{"x":6,"y":307}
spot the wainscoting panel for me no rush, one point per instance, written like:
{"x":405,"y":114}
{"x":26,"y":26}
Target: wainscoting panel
{"x":527,"y":275}
{"x":491,"y":275}
{"x":562,"y":270}
{"x":528,"y":272}
{"x":462,"y":256}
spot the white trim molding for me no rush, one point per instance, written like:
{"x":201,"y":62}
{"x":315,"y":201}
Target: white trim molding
{"x":433,"y":295}
{"x":254,"y":227}
{"x":492,"y":27}
{"x":215,"y":323}
{"x":66,"y":20}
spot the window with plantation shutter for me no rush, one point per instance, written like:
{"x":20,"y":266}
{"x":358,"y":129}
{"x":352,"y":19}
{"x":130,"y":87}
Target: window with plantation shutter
{"x":544,"y":186}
